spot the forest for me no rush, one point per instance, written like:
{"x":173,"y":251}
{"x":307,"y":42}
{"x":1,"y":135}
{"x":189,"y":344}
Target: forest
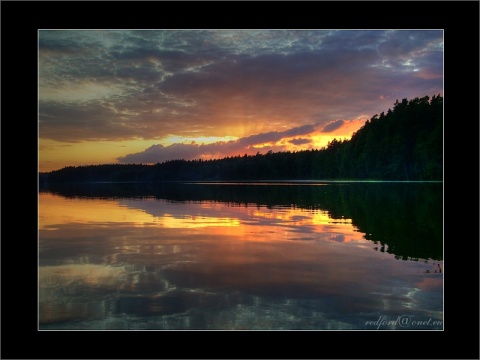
{"x":403,"y":144}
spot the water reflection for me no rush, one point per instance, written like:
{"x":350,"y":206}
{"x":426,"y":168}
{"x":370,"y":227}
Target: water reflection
{"x":402,"y":219}
{"x":220,"y":257}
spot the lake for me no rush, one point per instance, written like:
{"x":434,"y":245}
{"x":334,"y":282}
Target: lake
{"x":241,"y":256}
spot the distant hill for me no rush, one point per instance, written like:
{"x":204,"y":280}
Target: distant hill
{"x":406,"y":143}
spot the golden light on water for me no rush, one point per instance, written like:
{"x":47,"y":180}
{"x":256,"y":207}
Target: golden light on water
{"x":56,"y":211}
{"x":169,"y":221}
{"x":106,"y":261}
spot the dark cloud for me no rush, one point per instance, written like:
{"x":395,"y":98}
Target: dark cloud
{"x":300,"y":141}
{"x":334,"y":125}
{"x":150,"y":84}
{"x":160,"y":153}
{"x":403,"y":44}
{"x":274,"y":136}
{"x":91,"y":121}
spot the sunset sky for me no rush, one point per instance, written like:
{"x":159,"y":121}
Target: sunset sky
{"x":117,"y":96}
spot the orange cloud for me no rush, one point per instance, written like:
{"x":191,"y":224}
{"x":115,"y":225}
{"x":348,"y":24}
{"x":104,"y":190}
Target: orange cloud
{"x":312,"y":137}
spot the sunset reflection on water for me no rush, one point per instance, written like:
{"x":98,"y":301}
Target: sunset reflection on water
{"x":149,"y":263}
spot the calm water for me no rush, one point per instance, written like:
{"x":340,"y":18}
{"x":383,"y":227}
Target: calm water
{"x":241,"y":256}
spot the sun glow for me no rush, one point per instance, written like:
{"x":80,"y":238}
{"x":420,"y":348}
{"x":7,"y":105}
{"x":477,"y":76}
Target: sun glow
{"x":175,"y":139}
{"x":52,"y":154}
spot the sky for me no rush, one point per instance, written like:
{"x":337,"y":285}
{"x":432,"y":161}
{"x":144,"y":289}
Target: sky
{"x":148,"y":96}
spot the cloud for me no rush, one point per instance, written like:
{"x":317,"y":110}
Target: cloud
{"x":405,"y":44}
{"x":115,"y":85}
{"x":274,"y":136}
{"x":160,"y":153}
{"x":300,"y":141}
{"x":63,"y":121}
{"x":334,"y":125}
{"x":247,"y":145}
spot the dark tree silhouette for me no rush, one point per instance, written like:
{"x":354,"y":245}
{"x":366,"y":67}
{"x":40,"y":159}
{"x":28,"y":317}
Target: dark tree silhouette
{"x":406,"y":143}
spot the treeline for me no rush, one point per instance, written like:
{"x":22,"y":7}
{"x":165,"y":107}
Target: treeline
{"x":406,"y":143}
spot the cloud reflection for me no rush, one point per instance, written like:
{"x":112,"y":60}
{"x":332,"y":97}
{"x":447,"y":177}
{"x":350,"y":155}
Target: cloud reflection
{"x":255,"y":274}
